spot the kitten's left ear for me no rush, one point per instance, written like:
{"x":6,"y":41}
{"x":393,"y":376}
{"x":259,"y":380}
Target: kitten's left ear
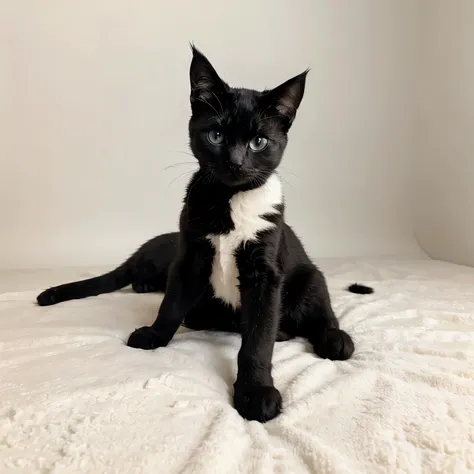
{"x":205,"y":82}
{"x":287,"y":96}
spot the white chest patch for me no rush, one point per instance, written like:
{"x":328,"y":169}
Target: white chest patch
{"x":246,"y":210}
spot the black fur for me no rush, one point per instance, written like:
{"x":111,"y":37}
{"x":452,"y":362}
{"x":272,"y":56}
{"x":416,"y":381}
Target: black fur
{"x":283,"y":294}
{"x":360,"y":289}
{"x":146,"y":270}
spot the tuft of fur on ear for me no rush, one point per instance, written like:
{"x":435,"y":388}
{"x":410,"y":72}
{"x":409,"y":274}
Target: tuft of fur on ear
{"x":287,"y":96}
{"x":205,"y":82}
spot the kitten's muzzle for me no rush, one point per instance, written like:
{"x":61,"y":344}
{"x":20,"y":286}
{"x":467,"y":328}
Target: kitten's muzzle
{"x":233,"y":175}
{"x":236,"y":158}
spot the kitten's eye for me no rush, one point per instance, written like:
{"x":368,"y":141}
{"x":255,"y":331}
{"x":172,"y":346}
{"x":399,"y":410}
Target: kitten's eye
{"x":258,"y":143}
{"x":215,"y":137}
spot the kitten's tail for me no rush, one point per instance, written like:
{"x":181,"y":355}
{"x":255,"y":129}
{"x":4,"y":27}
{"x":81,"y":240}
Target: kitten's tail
{"x":106,"y":283}
{"x":360,"y":289}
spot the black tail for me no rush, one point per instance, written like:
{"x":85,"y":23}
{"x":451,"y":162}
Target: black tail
{"x":360,"y":289}
{"x":106,"y":283}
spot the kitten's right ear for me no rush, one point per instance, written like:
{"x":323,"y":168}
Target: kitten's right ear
{"x":205,"y":82}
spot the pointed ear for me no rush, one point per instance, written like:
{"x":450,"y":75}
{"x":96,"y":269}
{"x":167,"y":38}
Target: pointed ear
{"x":287,"y":96}
{"x":205,"y":82}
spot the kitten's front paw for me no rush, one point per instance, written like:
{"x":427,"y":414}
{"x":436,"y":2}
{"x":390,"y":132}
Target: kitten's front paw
{"x":146,"y":338}
{"x":258,"y":403}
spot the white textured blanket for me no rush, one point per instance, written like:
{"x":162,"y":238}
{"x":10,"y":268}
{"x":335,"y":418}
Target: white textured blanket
{"x":74,"y":398}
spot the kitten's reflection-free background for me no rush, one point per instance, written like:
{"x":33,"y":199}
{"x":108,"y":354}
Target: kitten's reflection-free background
{"x":95,"y":105}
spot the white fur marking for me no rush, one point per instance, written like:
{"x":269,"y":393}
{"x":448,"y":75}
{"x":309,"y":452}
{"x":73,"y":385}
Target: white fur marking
{"x":246,"y":209}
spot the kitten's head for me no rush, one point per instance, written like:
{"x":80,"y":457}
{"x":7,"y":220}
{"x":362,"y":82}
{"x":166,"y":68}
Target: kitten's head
{"x":239,"y":135}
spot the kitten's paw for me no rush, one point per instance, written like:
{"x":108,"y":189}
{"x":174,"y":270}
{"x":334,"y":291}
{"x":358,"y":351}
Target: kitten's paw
{"x":146,"y":338}
{"x":48,"y":297}
{"x":258,"y":403}
{"x":337,"y":345}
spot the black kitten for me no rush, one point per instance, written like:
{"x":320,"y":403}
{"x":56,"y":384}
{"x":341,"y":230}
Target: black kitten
{"x":235,"y":265}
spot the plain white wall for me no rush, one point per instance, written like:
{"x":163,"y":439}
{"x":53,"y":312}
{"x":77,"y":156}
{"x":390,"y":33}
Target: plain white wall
{"x":445,"y":222}
{"x":94,"y":108}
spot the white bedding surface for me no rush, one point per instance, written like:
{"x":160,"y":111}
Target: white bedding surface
{"x":74,"y":398}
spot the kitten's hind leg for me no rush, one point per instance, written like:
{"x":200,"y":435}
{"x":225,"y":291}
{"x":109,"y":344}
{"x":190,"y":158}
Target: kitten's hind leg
{"x":307,"y":310}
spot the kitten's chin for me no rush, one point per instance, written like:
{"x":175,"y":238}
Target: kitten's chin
{"x":238,"y":180}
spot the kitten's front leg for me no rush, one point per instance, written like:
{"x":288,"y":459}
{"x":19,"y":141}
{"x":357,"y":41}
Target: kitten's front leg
{"x":255,"y":396}
{"x":187,"y":282}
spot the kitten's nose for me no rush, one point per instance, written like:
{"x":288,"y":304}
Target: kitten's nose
{"x":236,"y":157}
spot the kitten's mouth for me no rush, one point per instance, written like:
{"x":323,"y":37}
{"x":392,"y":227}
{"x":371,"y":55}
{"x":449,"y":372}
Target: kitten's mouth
{"x":236,"y":176}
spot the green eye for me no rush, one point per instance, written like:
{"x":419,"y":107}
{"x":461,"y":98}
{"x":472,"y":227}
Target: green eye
{"x":215,"y":137}
{"x":258,"y":143}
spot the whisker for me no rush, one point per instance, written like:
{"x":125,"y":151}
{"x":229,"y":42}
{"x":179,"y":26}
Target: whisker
{"x":262,"y":112}
{"x":258,"y":181}
{"x":184,"y":153}
{"x":178,"y":164}
{"x":287,"y":182}
{"x":207,"y":103}
{"x":268,"y":118}
{"x":180,"y":176}
{"x":287,"y":170}
{"x":217,"y":98}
